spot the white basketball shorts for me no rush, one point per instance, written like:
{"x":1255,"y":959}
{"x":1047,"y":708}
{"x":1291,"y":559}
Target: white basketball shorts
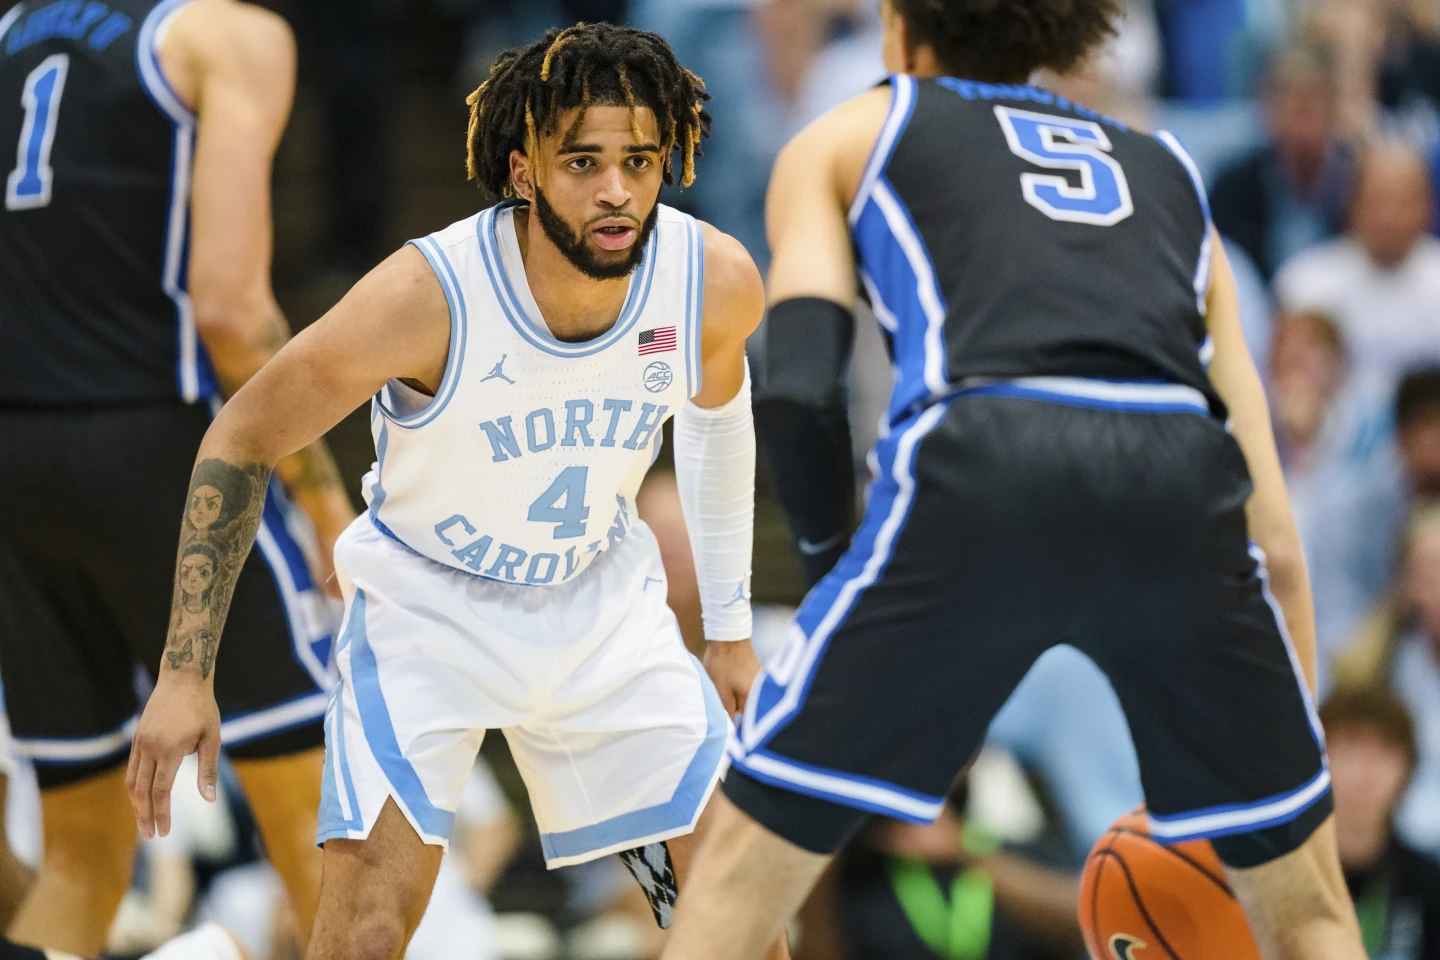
{"x":617,"y":730}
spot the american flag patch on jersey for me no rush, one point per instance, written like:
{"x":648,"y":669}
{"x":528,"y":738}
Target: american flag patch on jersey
{"x":658,"y":340}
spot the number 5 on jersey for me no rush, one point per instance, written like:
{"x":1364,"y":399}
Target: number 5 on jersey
{"x":1077,"y":146}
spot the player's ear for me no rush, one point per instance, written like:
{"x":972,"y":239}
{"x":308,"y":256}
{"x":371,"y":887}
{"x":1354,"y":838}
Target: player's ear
{"x":522,"y":176}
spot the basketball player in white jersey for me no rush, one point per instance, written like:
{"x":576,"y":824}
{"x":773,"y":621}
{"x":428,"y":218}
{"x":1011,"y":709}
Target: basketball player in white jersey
{"x":520,"y":365}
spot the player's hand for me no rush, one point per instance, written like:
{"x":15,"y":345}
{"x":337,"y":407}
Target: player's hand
{"x":180,"y":719}
{"x":733,"y":666}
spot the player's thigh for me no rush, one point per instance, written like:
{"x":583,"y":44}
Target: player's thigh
{"x":1228,"y":741}
{"x":420,"y":680}
{"x":632,"y":741}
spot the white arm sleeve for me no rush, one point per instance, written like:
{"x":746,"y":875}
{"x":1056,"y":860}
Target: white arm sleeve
{"x":715,"y":473}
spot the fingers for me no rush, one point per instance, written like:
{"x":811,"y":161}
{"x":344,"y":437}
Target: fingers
{"x":209,"y":764}
{"x":140,"y":791}
{"x":160,"y":792}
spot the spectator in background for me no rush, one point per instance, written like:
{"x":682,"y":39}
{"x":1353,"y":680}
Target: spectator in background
{"x":1381,"y":282}
{"x":1396,"y":889}
{"x":1328,"y":428}
{"x":1355,"y":527}
{"x":1290,"y":192}
{"x":1399,"y":647}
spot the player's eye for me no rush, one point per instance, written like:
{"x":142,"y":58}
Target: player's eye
{"x":580,"y":164}
{"x":640,"y":163}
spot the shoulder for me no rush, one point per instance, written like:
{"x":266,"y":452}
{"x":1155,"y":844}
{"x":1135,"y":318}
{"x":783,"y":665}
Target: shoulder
{"x":242,"y":38}
{"x":734,"y":292}
{"x":849,"y":127}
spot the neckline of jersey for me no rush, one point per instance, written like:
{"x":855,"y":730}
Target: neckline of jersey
{"x":500,"y":251}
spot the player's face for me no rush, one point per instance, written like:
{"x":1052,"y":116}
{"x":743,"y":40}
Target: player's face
{"x":204,"y":507}
{"x":597,"y":194}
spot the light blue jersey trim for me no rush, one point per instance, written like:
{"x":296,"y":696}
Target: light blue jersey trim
{"x":433,"y":822}
{"x":459,"y":336}
{"x":675,"y":814}
{"x":695,"y":309}
{"x":533,"y":329}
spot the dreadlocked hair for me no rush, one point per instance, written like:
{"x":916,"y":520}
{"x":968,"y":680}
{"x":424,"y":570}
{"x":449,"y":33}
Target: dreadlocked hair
{"x":589,"y":64}
{"x":1004,"y":41}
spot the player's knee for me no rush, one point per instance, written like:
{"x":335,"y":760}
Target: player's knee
{"x":378,"y":935}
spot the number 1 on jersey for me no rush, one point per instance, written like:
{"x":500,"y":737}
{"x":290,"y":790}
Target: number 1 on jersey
{"x":1064,"y":143}
{"x":563,"y":503}
{"x":28,"y":185}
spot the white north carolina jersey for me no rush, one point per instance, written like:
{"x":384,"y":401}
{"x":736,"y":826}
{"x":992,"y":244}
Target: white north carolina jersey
{"x":525,"y":464}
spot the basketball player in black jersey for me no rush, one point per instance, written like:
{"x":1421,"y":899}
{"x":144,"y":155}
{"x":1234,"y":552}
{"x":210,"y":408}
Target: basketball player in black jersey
{"x":1077,"y":450}
{"x":136,"y":141}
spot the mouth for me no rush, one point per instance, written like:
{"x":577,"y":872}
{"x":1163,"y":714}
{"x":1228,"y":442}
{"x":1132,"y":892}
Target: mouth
{"x":615,"y":234}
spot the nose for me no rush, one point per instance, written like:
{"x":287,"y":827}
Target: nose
{"x":612,"y":191}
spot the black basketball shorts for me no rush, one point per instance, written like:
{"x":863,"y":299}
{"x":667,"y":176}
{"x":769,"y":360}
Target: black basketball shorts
{"x":90,"y":506}
{"x":1000,"y":523}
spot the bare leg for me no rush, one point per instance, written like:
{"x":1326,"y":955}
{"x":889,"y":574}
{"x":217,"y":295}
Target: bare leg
{"x":746,"y":883}
{"x":1298,"y":906}
{"x":15,"y":876}
{"x":284,"y":793}
{"x":90,"y":840}
{"x":374,"y":892}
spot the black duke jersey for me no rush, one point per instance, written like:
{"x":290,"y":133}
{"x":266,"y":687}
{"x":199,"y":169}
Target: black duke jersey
{"x":998,"y":230}
{"x":93,"y":308}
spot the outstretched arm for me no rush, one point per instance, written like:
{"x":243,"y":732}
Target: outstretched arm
{"x":393,"y":324}
{"x":715,"y":466}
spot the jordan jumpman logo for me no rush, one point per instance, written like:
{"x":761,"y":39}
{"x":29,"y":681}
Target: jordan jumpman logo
{"x":498,"y":371}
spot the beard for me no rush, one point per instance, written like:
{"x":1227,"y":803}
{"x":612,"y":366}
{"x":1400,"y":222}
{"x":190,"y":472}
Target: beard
{"x":578,"y":252}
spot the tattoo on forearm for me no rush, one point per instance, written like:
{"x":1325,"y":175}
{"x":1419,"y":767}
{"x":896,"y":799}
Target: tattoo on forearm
{"x":222,"y":513}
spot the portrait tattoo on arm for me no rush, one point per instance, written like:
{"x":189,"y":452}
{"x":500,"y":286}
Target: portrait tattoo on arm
{"x":222,"y":512}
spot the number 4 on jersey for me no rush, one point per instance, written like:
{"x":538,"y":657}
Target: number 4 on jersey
{"x":1078,"y":146}
{"x":563,"y":503}
{"x":28,"y":185}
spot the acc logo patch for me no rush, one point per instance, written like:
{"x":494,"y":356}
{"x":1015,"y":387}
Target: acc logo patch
{"x":1123,"y":946}
{"x":657,"y":376}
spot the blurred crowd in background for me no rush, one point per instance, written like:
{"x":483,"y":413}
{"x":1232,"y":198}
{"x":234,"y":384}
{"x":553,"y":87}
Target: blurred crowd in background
{"x":1316,"y":125}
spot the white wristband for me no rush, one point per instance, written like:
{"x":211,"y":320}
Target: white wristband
{"x":715,"y":474}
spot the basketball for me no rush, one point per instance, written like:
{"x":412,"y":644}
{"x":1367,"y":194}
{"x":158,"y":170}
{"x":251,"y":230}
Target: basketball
{"x":1140,"y":899}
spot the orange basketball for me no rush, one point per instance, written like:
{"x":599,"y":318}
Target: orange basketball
{"x":1142,"y":900}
